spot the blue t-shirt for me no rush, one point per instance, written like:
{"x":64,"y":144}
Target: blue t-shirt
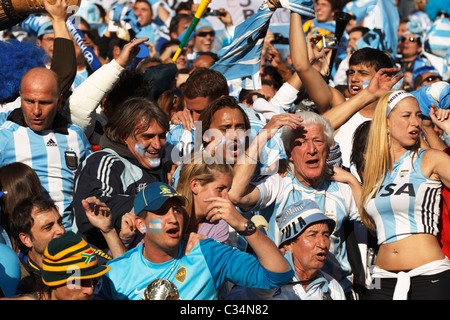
{"x":197,"y":276}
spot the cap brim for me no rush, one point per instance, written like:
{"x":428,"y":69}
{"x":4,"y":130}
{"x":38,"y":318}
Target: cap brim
{"x":318,"y":217}
{"x":59,"y":278}
{"x":157,"y":204}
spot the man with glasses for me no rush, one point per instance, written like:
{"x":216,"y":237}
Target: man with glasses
{"x":425,"y":76}
{"x":410,"y":50}
{"x":203,"y":40}
{"x":45,"y":40}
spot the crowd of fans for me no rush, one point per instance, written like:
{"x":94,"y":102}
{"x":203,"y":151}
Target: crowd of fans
{"x":126,"y":174}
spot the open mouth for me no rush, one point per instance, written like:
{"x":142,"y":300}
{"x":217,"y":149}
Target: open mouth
{"x":233,"y":148}
{"x":207,"y":44}
{"x":313,"y":163}
{"x":414,"y":134}
{"x":354,"y":89}
{"x":321,"y":256}
{"x":153,"y":153}
{"x":173,"y":232}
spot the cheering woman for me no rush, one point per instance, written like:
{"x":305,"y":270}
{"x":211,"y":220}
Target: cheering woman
{"x":400,"y":199}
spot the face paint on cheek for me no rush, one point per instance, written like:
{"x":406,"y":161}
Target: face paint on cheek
{"x":154,"y":162}
{"x":222,"y":141}
{"x":365,"y":84}
{"x":140,"y":150}
{"x":155,"y":225}
{"x":307,"y":243}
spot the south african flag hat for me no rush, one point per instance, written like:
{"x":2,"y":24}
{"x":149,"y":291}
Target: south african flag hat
{"x":67,"y":258}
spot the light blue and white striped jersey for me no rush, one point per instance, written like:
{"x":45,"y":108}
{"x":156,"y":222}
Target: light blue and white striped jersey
{"x":7,"y":108}
{"x":407,"y":203}
{"x":197,"y":276}
{"x":180,"y":142}
{"x":54,"y":157}
{"x":316,"y":290}
{"x":335,"y":199}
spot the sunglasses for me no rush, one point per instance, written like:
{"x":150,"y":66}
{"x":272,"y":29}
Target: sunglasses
{"x":431,"y":78}
{"x":410,"y":39}
{"x":205,"y":33}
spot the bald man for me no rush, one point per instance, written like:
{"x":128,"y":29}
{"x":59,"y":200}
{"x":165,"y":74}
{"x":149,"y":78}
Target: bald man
{"x":38,"y":135}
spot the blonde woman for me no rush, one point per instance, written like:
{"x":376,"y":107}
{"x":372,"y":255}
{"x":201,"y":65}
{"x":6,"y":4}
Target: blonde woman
{"x":400,"y":200}
{"x":204,"y":185}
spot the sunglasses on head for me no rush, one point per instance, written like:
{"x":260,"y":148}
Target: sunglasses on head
{"x":205,"y":33}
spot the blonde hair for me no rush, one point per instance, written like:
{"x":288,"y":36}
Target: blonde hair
{"x":378,"y":157}
{"x":204,"y":172}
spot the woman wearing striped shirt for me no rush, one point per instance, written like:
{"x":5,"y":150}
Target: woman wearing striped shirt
{"x":400,"y":196}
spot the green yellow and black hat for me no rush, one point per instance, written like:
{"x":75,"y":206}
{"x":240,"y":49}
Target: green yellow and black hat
{"x":69,"y":257}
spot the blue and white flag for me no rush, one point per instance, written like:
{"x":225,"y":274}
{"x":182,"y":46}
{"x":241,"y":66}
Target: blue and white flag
{"x":437,"y":39}
{"x":382,"y":20}
{"x":242,"y":58}
{"x":33,"y":24}
{"x":359,"y":8}
{"x":384,"y":17}
{"x":123,"y":17}
{"x":437,"y":93}
{"x":304,"y":8}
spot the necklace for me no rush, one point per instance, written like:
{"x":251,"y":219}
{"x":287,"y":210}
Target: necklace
{"x":161,"y":288}
{"x":171,"y":270}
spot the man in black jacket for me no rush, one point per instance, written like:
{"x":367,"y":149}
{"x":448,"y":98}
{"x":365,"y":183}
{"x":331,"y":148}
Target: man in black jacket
{"x":130,"y":158}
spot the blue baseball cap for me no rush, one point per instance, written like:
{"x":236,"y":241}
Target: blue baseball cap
{"x":45,"y":28}
{"x":154,"y":195}
{"x":203,"y":24}
{"x":298,"y":217}
{"x":424,"y":69}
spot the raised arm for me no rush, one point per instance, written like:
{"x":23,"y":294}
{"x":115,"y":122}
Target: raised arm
{"x":269,"y":256}
{"x":312,"y":80}
{"x":100,"y":217}
{"x":242,"y":193}
{"x":89,"y":94}
{"x":64,"y":60}
{"x":381,"y":83}
{"x":435,"y":164}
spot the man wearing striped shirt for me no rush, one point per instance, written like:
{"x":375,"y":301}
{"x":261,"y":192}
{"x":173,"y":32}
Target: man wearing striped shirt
{"x":38,"y":135}
{"x":307,"y":147}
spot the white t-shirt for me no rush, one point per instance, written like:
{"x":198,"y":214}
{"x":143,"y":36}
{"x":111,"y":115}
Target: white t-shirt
{"x":345,"y":136}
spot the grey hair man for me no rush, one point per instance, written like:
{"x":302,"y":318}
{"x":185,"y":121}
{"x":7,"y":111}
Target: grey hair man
{"x":307,"y":147}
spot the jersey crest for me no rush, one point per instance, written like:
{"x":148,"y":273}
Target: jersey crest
{"x":181,"y":274}
{"x":71,"y":160}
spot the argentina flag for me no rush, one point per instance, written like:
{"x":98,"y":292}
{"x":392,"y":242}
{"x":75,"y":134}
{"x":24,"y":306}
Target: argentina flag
{"x":123,"y":17}
{"x":437,"y":39}
{"x":242,"y":58}
{"x":383,"y":21}
{"x":359,"y":8}
{"x":437,"y":46}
